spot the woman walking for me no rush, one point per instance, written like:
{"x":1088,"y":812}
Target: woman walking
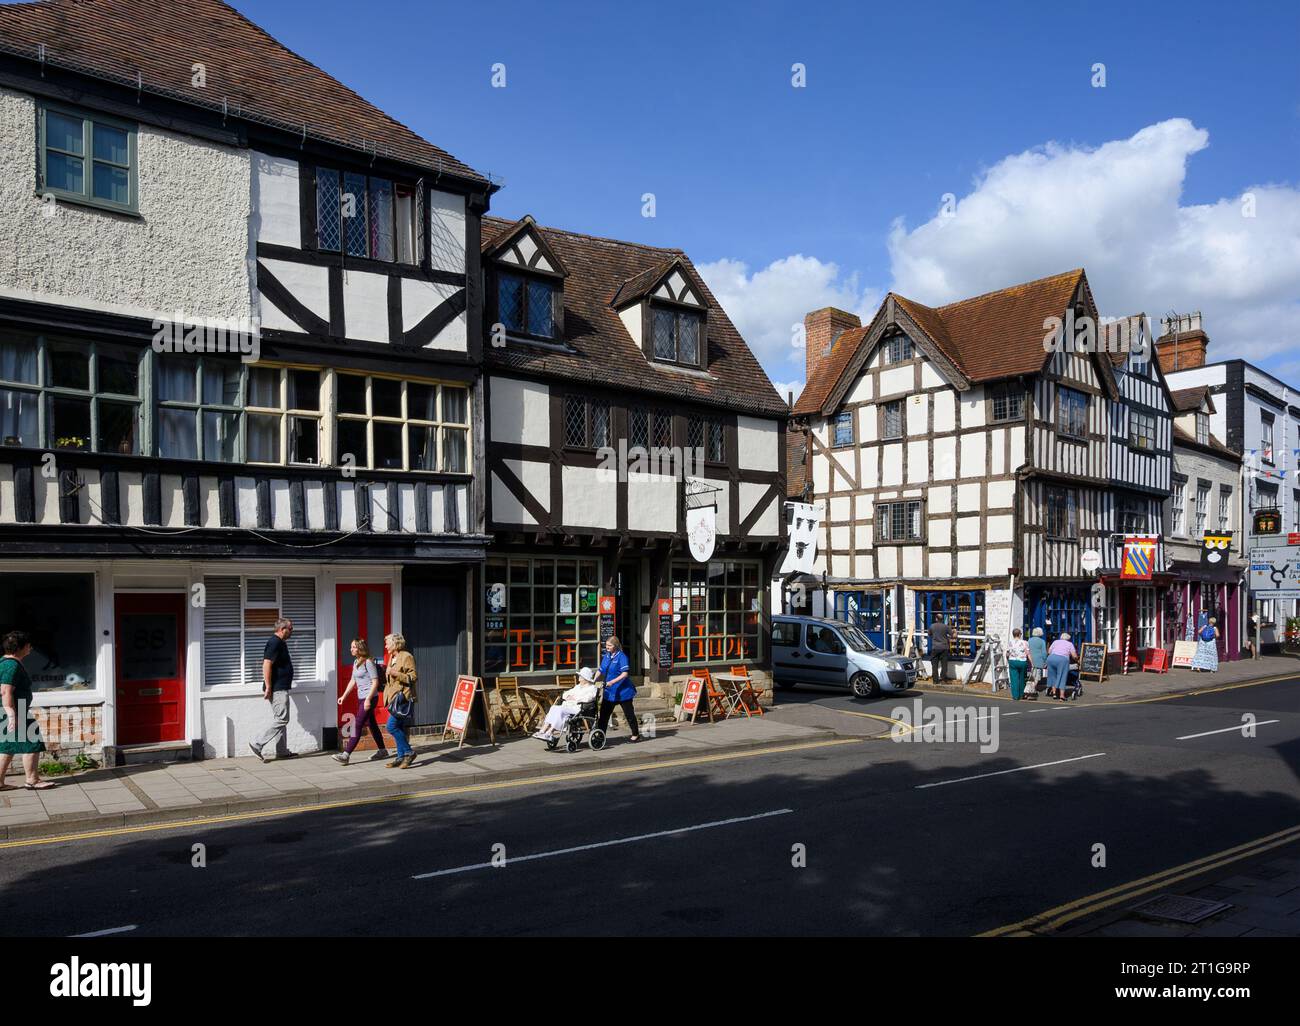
{"x":399,"y":696}
{"x":1038,"y":657}
{"x":1017,"y":663}
{"x":1059,"y":657}
{"x":364,"y":678}
{"x":1206,"y":656}
{"x":616,"y":674}
{"x":19,"y":732}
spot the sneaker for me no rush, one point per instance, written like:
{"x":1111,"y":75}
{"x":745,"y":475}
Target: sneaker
{"x":406,"y":763}
{"x":381,"y":753}
{"x":257,"y":751}
{"x":541,"y":735}
{"x":397,"y":763}
{"x":288,"y":755}
{"x":341,"y":757}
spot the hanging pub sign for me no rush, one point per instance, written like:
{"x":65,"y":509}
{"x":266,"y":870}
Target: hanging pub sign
{"x":801,"y":553}
{"x":1268,"y":521}
{"x":1139,"y":557}
{"x":608,"y":607}
{"x":701,"y":518}
{"x":1215,"y":547}
{"x":665,"y":634}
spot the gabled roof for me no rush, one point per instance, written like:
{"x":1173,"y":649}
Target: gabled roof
{"x":598,"y":349}
{"x":156,"y":44}
{"x":641,"y":285}
{"x":526,"y":225}
{"x":991,"y":337}
{"x":1188,"y":399}
{"x":1182,"y":437}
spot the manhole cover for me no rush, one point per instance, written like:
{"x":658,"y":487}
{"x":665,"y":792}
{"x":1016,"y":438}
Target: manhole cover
{"x":1178,"y":908}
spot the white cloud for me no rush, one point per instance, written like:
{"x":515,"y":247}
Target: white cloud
{"x":1115,"y":210}
{"x":767,"y":306}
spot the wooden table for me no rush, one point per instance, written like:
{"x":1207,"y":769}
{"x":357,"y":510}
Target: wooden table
{"x":540,"y":698}
{"x":734,"y":687}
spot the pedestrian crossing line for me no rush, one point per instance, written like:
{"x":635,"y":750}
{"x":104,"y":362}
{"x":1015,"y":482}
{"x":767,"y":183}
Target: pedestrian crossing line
{"x":1055,"y":918}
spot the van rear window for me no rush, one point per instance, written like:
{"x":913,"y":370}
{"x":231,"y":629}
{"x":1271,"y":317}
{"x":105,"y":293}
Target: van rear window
{"x":785,"y":633}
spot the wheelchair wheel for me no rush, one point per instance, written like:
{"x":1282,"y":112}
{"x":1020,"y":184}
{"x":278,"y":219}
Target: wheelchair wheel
{"x":552,"y":743}
{"x":571,"y":746}
{"x":597,"y":740}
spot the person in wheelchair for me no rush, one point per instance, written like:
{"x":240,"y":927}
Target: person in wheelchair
{"x":569,"y":705}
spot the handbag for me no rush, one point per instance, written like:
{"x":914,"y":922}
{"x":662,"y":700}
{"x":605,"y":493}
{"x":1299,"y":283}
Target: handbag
{"x":400,"y":705}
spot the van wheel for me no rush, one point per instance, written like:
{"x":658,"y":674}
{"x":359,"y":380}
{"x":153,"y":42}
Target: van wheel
{"x":864,"y":685}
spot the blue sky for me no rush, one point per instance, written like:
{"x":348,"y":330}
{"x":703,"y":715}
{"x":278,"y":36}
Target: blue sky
{"x":790,"y":198}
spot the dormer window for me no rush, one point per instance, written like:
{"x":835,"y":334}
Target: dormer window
{"x":1203,"y":428}
{"x":678,"y":335}
{"x":526,"y":305}
{"x":898,"y":348}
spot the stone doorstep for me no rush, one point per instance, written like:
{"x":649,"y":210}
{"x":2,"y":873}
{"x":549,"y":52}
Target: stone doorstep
{"x":219,"y":805}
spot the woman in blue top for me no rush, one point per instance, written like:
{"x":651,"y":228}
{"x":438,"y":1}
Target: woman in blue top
{"x":614,"y":671}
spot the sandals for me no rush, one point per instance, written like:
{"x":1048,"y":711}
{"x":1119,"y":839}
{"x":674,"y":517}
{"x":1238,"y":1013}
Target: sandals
{"x":41,"y":785}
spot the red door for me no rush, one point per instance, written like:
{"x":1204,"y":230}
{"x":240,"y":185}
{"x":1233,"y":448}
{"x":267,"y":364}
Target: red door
{"x":150,"y":634}
{"x":364,"y":611}
{"x":1128,"y":625}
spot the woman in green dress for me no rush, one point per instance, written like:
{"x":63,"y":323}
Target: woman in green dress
{"x":19,"y":733}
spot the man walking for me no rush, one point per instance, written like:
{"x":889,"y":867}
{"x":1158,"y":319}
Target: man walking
{"x":277,"y":680}
{"x":940,"y":635}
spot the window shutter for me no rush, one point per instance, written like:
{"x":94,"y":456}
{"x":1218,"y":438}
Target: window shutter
{"x":221,"y":631}
{"x":298,"y":603}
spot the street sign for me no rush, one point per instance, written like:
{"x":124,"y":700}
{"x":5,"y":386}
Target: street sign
{"x":1275,"y":572}
{"x":1090,"y":561}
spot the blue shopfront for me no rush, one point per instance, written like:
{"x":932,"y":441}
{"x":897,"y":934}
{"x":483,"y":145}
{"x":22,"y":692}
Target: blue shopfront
{"x":1059,"y":608}
{"x":870,"y":611}
{"x":962,"y":609}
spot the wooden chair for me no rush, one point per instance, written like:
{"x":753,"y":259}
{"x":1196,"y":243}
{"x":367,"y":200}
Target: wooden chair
{"x":514,"y":710}
{"x":566,"y":680}
{"x":719,"y":703}
{"x":747,"y":692}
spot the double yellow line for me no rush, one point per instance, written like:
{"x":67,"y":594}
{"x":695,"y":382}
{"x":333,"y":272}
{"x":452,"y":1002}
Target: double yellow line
{"x":1055,"y":918}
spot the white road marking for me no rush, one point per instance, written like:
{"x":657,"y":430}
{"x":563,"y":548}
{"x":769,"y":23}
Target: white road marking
{"x":1226,"y":730}
{"x":1017,"y":769}
{"x":605,"y":844}
{"x":1011,"y":714}
{"x":105,"y":933}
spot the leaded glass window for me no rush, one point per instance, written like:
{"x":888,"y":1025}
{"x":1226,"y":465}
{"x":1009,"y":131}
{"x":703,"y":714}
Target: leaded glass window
{"x":328,"y":226}
{"x":893,"y":419}
{"x":676,"y":336}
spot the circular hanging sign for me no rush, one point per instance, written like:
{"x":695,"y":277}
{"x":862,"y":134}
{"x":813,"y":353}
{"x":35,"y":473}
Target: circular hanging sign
{"x":1091,"y":561}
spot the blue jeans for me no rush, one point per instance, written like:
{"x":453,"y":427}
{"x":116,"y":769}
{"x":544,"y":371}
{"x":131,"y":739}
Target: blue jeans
{"x":397,"y":726}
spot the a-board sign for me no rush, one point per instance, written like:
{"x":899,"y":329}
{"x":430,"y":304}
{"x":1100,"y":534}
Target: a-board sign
{"x":462,"y":705}
{"x":1092,"y":660}
{"x":665,"y":634}
{"x":608,"y":606}
{"x":1184,"y":652}
{"x":691,"y":696}
{"x":1157,"y":661}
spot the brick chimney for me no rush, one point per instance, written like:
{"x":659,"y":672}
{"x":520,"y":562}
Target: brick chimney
{"x":821,"y":329}
{"x":1182,"y":342}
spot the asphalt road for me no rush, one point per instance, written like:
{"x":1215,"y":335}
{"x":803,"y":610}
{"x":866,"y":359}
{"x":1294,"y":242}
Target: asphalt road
{"x":917,"y":838}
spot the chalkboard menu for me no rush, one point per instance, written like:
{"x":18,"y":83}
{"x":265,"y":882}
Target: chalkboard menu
{"x":665,"y":635}
{"x":1092,"y":661}
{"x":607,"y":609}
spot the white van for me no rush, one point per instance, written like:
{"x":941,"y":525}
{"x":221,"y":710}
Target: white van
{"x":812,"y":650}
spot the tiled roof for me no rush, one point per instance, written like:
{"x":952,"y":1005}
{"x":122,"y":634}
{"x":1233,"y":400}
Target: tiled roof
{"x":1186,"y":399}
{"x":990,"y":337}
{"x":598,"y":349}
{"x":1184,"y":438}
{"x":244,"y":66}
{"x":796,"y":469}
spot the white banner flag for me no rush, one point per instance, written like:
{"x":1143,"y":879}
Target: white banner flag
{"x":805,"y":519}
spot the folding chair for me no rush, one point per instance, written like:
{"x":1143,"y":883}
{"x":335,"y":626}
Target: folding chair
{"x":514,"y":711}
{"x":747,"y":692}
{"x":566,"y":680}
{"x":719,"y":701}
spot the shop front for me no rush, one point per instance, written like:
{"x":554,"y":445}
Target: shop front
{"x":1200,"y":593}
{"x":1132,"y":620}
{"x":1059,"y":608}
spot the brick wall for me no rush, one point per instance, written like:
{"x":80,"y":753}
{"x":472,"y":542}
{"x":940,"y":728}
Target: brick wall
{"x":69,"y":730}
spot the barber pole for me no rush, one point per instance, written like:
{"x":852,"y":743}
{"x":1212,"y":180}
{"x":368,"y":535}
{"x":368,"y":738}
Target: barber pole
{"x":1128,"y":646}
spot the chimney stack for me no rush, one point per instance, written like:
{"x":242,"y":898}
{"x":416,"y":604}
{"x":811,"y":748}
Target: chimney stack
{"x":821,"y":329}
{"x":1182,"y":342}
